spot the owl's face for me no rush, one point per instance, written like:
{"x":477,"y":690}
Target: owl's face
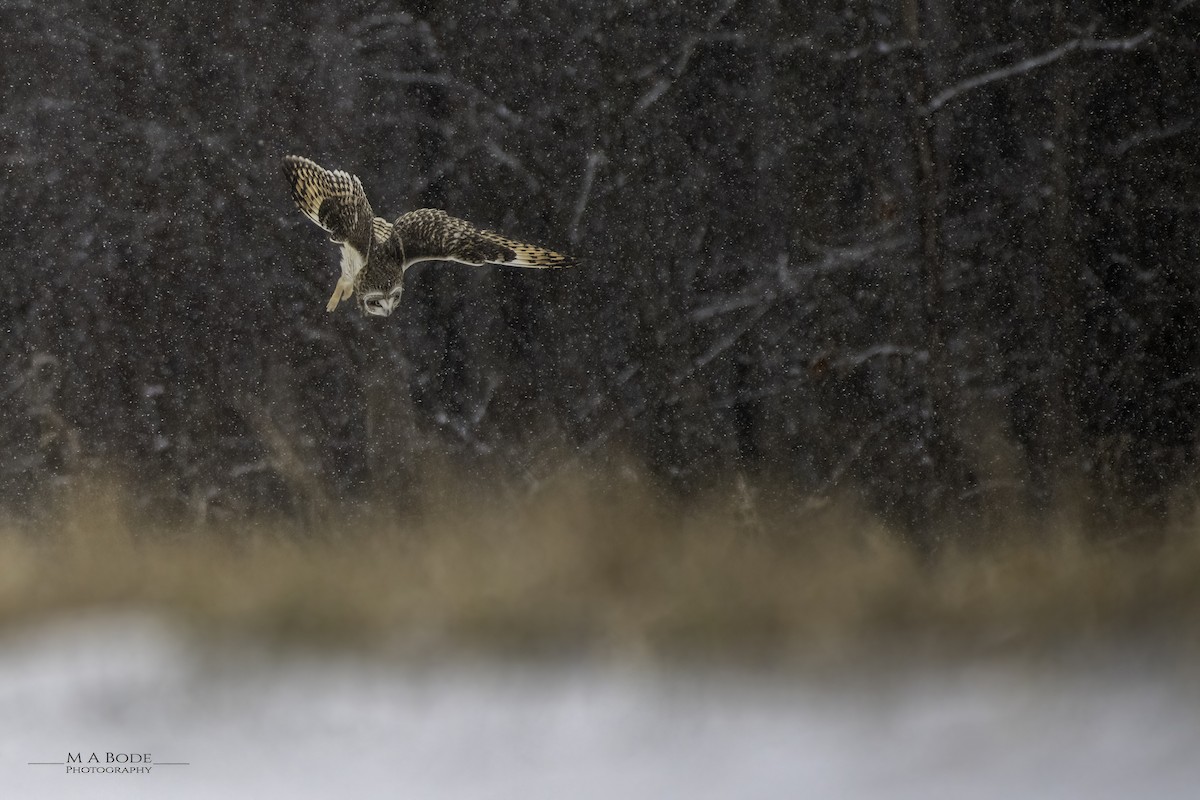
{"x":378,"y":287}
{"x":378,"y":302}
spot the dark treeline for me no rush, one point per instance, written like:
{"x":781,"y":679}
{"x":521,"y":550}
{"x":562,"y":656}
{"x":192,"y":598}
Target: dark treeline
{"x":940,"y":251}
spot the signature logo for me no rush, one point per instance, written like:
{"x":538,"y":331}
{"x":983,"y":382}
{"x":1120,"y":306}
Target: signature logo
{"x":109,"y":763}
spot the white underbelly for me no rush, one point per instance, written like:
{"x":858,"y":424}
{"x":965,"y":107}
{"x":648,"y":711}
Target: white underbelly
{"x":352,"y":262}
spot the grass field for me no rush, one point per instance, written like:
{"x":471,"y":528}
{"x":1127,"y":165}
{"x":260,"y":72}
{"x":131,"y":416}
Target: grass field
{"x":590,"y":565}
{"x":596,"y":639}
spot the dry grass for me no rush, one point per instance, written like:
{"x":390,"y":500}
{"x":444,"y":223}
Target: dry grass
{"x":606,"y":565}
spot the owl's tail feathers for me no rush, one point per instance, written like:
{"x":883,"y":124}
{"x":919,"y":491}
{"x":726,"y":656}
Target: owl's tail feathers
{"x":530,"y":255}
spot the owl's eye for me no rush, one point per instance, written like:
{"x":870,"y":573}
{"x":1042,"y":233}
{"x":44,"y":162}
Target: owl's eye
{"x":374,"y":303}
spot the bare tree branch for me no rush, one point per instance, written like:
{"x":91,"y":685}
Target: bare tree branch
{"x":1027,"y":65}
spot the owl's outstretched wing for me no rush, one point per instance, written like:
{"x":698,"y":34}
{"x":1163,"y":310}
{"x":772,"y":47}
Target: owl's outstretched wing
{"x":429,"y":234}
{"x":333,"y":199}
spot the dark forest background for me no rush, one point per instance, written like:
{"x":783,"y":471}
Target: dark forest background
{"x":940,"y":253}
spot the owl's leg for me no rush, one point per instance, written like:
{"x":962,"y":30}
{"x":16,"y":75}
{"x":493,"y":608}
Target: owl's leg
{"x":343,"y":291}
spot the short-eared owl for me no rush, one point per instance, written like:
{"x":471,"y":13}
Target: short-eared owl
{"x":375,"y":252}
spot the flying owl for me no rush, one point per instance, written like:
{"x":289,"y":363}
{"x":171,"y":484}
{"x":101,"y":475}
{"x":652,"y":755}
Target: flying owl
{"x":375,"y":252}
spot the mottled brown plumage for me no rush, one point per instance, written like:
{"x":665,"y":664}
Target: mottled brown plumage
{"x":376,"y":253}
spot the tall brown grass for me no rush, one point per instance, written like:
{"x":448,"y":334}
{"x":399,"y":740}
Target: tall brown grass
{"x":605,"y":563}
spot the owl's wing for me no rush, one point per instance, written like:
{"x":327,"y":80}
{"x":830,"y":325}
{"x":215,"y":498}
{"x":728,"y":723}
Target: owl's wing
{"x":333,"y":199}
{"x":429,"y":234}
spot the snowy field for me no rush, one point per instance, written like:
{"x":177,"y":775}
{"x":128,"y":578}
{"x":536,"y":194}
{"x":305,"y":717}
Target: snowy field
{"x":256,"y":725}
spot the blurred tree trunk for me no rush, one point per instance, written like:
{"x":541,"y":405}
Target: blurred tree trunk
{"x":1060,"y":434}
{"x":951,"y":474}
{"x":768,"y":138}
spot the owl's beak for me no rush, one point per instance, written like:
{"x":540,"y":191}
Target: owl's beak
{"x":343,"y":291}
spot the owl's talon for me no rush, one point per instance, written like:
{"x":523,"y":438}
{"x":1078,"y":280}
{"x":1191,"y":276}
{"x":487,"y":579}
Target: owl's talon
{"x":343,"y":291}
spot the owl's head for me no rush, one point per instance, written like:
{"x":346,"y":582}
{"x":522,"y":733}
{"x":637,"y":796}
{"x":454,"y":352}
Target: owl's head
{"x":378,"y":304}
{"x":379,"y":301}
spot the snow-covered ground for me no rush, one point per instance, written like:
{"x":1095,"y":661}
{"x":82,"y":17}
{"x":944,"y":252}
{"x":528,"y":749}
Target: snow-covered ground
{"x":256,"y":725}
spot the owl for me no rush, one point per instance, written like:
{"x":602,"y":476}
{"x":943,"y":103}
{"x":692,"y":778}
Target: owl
{"x":376,"y":253}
